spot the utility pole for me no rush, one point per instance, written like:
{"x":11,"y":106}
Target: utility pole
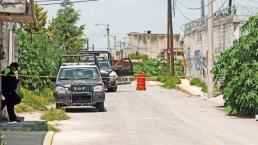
{"x":202,"y":9}
{"x":108,"y":38}
{"x":87,"y":43}
{"x":230,"y":6}
{"x":210,"y":51}
{"x":115,"y":46}
{"x":170,"y":41}
{"x":93,"y":47}
{"x":11,"y":48}
{"x":1,"y":58}
{"x":230,"y":3}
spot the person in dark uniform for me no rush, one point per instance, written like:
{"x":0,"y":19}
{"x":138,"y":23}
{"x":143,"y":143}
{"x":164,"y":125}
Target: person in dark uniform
{"x":9,"y":86}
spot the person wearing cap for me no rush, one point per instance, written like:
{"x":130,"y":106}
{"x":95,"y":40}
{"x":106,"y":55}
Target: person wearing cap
{"x":9,"y":86}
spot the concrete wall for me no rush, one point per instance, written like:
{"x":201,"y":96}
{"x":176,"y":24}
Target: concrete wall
{"x":149,"y":44}
{"x":5,"y":48}
{"x":226,"y":30}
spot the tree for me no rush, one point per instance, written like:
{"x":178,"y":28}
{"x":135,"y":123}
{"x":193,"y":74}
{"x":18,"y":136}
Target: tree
{"x":38,"y":56}
{"x":63,"y":28}
{"x":41,"y":16}
{"x":237,"y":69}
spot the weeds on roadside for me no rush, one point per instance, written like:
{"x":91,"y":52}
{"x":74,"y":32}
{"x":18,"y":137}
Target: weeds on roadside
{"x":32,"y":101}
{"x":171,"y":82}
{"x":52,"y":115}
{"x":2,"y":142}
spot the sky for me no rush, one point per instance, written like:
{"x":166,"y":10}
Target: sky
{"x":125,"y":16}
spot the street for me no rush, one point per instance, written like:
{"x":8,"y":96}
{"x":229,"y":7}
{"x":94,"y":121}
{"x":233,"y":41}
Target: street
{"x":155,"y":117}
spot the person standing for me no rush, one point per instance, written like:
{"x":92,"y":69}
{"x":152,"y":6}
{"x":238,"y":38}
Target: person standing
{"x":9,"y":86}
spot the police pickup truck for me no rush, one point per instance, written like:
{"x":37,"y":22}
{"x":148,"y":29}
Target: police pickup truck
{"x":111,"y":69}
{"x":79,"y":84}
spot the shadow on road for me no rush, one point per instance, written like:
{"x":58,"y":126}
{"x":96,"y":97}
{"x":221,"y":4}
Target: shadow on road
{"x":82,"y":110}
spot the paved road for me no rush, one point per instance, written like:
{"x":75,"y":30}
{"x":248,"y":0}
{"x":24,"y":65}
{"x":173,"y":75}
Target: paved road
{"x":155,"y":117}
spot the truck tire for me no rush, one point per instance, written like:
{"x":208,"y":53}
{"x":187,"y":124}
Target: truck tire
{"x":112,"y":89}
{"x":100,"y":106}
{"x":59,"y":105}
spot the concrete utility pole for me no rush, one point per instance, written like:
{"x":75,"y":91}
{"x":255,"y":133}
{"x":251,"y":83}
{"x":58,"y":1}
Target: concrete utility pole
{"x":108,"y":38}
{"x":115,"y":46}
{"x":1,"y":50}
{"x":87,"y":43}
{"x":202,"y":9}
{"x":230,"y":6}
{"x":230,"y":3}
{"x":210,"y":51}
{"x":170,"y":41}
{"x":93,"y":47}
{"x":11,"y":48}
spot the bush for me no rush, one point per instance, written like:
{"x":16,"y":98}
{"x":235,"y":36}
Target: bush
{"x":237,"y":68}
{"x":152,"y":67}
{"x":163,"y":79}
{"x":179,"y":68}
{"x":52,"y":115}
{"x":196,"y":82}
{"x":205,"y":88}
{"x":171,"y":82}
{"x":228,"y":109}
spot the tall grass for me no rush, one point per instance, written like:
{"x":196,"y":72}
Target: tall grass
{"x":34,"y":101}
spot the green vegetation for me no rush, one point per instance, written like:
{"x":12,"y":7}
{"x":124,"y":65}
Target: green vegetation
{"x":237,"y":69}
{"x":171,"y":82}
{"x":196,"y":82}
{"x":137,"y":56}
{"x":152,"y":67}
{"x":52,"y":115}
{"x":64,"y":29}
{"x":41,"y":46}
{"x":228,"y":109}
{"x":2,"y":142}
{"x":205,"y":88}
{"x":52,"y":128}
{"x":179,"y":68}
{"x":32,"y":101}
{"x":22,"y":107}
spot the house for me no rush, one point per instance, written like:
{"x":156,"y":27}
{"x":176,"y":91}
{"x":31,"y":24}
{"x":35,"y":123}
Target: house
{"x":150,"y":44}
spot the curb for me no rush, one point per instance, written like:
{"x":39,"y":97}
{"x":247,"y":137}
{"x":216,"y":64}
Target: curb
{"x":50,"y":134}
{"x":184,"y":90}
{"x":49,"y":138}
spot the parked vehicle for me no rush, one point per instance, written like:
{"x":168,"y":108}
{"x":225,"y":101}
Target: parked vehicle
{"x":111,"y":69}
{"x":79,"y":84}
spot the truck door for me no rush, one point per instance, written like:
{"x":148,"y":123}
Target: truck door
{"x":124,"y":67}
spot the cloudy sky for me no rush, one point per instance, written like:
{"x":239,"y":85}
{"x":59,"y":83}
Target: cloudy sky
{"x":126,"y":16}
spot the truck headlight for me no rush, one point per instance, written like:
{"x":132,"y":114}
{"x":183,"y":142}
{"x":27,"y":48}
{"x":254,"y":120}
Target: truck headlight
{"x":113,"y":75}
{"x":60,"y":90}
{"x":99,"y":89}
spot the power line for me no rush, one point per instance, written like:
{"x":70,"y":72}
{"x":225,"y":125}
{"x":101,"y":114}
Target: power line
{"x":197,"y":8}
{"x":73,"y":2}
{"x":222,"y":5}
{"x":239,"y":4}
{"x":181,"y":12}
{"x":47,"y":0}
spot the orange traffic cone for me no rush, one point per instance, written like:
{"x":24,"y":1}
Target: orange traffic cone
{"x":141,"y":85}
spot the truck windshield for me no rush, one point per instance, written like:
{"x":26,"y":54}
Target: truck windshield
{"x":104,"y":64}
{"x":78,"y":74}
